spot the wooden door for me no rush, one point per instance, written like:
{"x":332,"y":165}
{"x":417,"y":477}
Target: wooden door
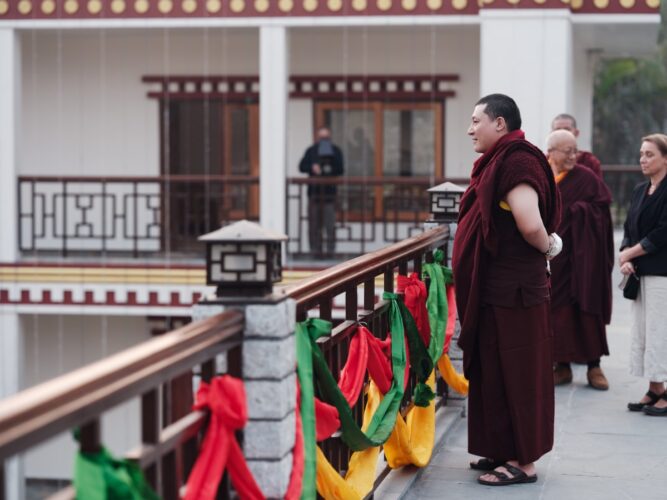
{"x":206,"y":145}
{"x":240,"y":159}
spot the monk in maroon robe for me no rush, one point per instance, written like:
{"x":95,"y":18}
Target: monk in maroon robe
{"x":567,"y":122}
{"x":501,"y":249}
{"x":581,"y":274}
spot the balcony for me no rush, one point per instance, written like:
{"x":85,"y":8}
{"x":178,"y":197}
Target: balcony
{"x":158,"y":217}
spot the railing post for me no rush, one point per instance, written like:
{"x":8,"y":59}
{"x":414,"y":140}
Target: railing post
{"x":269,"y":375}
{"x":268,"y":354}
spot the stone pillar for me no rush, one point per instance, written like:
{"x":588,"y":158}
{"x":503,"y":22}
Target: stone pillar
{"x":273,"y":92}
{"x":11,"y":369}
{"x":10,"y":105}
{"x":527,"y":54}
{"x":269,"y":375}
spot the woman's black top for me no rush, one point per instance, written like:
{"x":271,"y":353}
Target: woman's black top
{"x":646,"y":224}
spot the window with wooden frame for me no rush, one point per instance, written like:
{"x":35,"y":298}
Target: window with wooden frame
{"x":398,"y":142}
{"x":210,"y":152}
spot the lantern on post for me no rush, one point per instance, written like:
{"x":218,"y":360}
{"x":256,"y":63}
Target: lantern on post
{"x":445,"y":200}
{"x":243,"y":259}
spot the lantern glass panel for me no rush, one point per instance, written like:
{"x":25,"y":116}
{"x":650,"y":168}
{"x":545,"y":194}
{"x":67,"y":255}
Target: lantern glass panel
{"x":218,"y":275}
{"x":259,"y":274}
{"x":218,"y":249}
{"x":242,"y":262}
{"x":435,"y":206}
{"x":259,"y":250}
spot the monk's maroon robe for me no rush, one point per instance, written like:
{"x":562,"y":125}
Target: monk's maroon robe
{"x":503,"y":304}
{"x":588,"y":159}
{"x":581,"y":274}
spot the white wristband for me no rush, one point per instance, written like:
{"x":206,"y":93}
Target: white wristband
{"x":555,"y":246}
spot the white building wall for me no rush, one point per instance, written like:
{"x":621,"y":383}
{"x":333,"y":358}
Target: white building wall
{"x":527,"y":54}
{"x":85,"y":110}
{"x":54,"y":345}
{"x":397,"y":51}
{"x":300,"y":136}
{"x":584,"y":61}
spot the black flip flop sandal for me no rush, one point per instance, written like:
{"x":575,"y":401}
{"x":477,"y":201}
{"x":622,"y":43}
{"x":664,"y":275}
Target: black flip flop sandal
{"x":653,"y":399}
{"x":656,"y":412}
{"x":487,"y":464}
{"x":518,"y":477}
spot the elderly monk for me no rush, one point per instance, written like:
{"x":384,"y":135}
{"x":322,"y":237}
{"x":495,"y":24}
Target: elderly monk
{"x":585,"y":158}
{"x":581,"y":274}
{"x":501,"y":249}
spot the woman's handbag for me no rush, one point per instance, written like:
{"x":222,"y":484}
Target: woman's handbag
{"x":630,"y":286}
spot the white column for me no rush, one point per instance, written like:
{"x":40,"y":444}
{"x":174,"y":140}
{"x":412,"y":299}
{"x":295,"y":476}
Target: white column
{"x":527,"y":54}
{"x":11,"y":367}
{"x":584,"y":62}
{"x":10,"y":102}
{"x":273,"y":94}
{"x":11,"y":352}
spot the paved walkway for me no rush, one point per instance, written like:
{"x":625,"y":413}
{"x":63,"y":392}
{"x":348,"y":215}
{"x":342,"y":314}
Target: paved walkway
{"x":602,"y":451}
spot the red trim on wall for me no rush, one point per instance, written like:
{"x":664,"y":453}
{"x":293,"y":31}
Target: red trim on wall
{"x":587,"y":7}
{"x":89,"y":299}
{"x":198,"y":9}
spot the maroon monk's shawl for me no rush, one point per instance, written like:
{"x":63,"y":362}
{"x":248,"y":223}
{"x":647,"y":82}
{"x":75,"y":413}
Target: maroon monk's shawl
{"x":476,"y":239}
{"x":588,"y":159}
{"x":588,"y":253}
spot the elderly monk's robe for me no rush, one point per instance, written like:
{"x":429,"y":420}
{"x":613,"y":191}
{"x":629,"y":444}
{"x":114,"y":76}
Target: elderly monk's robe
{"x":503,"y":302}
{"x":581,"y":274}
{"x":588,"y":159}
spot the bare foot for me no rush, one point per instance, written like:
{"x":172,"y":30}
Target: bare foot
{"x":529,"y":469}
{"x":661,"y":403}
{"x":656,"y":388}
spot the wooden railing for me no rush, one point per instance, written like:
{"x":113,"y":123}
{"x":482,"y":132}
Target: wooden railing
{"x":79,"y":398}
{"x":315,"y":296}
{"x":168,"y":448}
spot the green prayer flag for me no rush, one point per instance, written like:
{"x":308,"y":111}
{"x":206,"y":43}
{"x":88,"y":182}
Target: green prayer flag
{"x":383,"y":420}
{"x":420,"y":360}
{"x":100,"y":476}
{"x":304,"y":370}
{"x":436,"y":303}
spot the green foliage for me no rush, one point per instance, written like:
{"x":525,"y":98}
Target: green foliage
{"x":630,"y":101}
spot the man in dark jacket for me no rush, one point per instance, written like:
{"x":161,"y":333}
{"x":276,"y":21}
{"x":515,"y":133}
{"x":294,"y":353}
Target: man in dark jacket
{"x":322,"y":159}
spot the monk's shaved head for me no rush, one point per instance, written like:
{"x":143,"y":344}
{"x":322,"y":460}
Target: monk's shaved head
{"x":561,"y":138}
{"x":561,"y":151}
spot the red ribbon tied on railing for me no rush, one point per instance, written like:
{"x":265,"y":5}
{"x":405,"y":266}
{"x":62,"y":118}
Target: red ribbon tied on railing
{"x":225,"y":399}
{"x":415,"y":294}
